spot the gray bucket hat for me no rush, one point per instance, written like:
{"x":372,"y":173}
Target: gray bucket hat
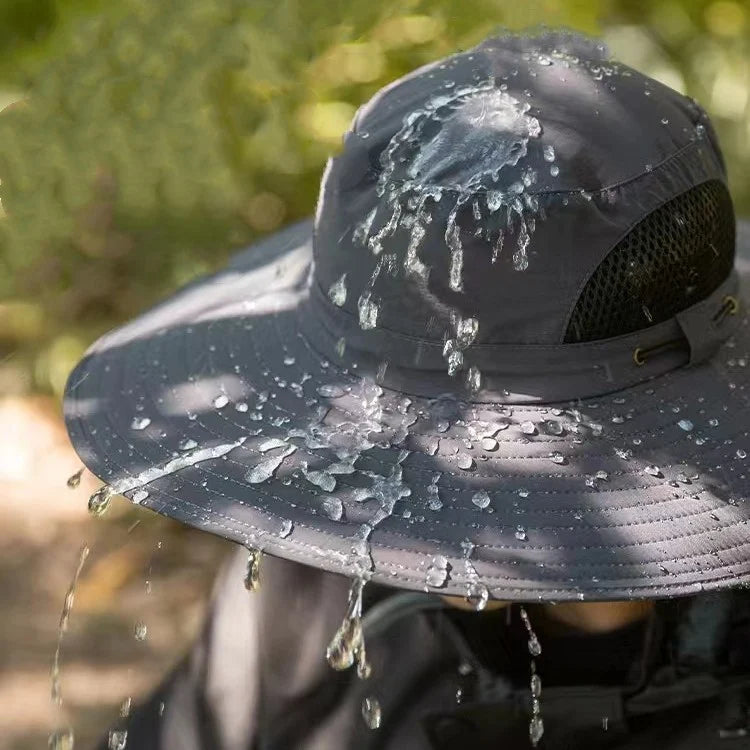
{"x":507,"y":359}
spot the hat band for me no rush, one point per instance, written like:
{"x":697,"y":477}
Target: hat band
{"x":524,"y":373}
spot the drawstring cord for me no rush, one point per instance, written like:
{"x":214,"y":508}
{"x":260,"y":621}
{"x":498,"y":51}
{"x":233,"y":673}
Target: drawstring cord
{"x":729,"y":306}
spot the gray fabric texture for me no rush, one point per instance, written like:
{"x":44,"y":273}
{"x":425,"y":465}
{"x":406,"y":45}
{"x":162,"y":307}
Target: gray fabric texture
{"x":559,"y":472}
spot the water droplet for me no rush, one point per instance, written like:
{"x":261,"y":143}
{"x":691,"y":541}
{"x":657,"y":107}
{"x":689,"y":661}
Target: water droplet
{"x":337,"y":292}
{"x":433,"y":444}
{"x":466,"y":331}
{"x":437,"y":573}
{"x":477,"y":595}
{"x":443,"y":425}
{"x":490,"y":444}
{"x":368,"y":311}
{"x":56,"y":692}
{"x":601,"y":475}
{"x":371,"y":712}
{"x":322,"y":479}
{"x":118,"y":739}
{"x":685,"y":424}
{"x":741,"y":453}
{"x":554,"y":170}
{"x":544,"y":60}
{"x":558,"y":458}
{"x":549,"y":153}
{"x":288,"y":361}
{"x":61,"y":739}
{"x":528,"y":428}
{"x":521,"y":534}
{"x":713,"y":422}
{"x":271,"y":444}
{"x":241,"y":406}
{"x":221,"y":401}
{"x":139,"y":496}
{"x":624,"y":453}
{"x":433,"y":494}
{"x":455,"y":360}
{"x":473,"y":379}
{"x":334,"y":508}
{"x":140,"y":423}
{"x":286,"y":528}
{"x":264,"y":470}
{"x":465,"y":461}
{"x":75,"y":480}
{"x":536,"y":730}
{"x":125,"y":707}
{"x":553,"y":427}
{"x":665,"y":121}
{"x":140,"y":631}
{"x":481,"y":499}
{"x":187,"y":444}
{"x":536,"y":685}
{"x":331,"y":390}
{"x":523,"y":492}
{"x":99,"y":501}
{"x":347,"y":644}
{"x":653,"y":471}
{"x":252,"y":574}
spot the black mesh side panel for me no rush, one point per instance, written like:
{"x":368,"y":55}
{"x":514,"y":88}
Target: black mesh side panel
{"x":672,"y":259}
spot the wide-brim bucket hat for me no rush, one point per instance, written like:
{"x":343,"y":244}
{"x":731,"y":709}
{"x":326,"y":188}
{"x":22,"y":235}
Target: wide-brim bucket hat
{"x":507,"y":359}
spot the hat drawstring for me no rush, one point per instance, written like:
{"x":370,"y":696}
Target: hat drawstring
{"x":729,"y":306}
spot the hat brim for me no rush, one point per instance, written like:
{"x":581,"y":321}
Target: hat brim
{"x":552,"y":531}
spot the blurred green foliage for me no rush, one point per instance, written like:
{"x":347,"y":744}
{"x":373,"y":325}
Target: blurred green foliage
{"x":149,"y":140}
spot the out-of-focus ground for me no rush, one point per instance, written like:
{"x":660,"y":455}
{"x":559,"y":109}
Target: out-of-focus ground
{"x":44,"y":525}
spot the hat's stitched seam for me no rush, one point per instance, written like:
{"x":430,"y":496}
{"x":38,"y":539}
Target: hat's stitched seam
{"x":681,"y":372}
{"x":527,"y":548}
{"x":676,"y":372}
{"x":462,"y":490}
{"x":266,"y":365}
{"x":416,"y":470}
{"x":450,"y":525}
{"x":115,"y":433}
{"x":575,"y":347}
{"x":210,"y":512}
{"x":577,"y":191}
{"x":649,"y":433}
{"x":386,"y":568}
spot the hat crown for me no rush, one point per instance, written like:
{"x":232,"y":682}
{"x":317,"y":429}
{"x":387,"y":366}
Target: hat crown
{"x":490,"y":187}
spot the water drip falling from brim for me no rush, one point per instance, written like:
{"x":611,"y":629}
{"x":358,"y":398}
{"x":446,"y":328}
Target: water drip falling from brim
{"x":252,"y":575}
{"x":56,"y":688}
{"x":75,"y":479}
{"x":536,"y":723}
{"x":348,"y":644}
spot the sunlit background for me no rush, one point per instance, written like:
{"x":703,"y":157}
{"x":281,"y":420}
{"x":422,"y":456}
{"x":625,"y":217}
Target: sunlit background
{"x":143,"y":142}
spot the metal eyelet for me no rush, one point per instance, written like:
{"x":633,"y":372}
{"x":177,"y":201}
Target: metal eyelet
{"x":732,"y":303}
{"x":638,"y":357}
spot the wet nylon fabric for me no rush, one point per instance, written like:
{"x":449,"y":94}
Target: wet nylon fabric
{"x":617,"y":163}
{"x":306,"y":706}
{"x":460,"y":210}
{"x":525,"y":373}
{"x":631,"y":534}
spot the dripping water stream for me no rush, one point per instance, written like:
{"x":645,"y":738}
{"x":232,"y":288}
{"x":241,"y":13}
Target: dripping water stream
{"x":62,"y":739}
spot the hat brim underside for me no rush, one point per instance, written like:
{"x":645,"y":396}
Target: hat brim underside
{"x":667,"y":514}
